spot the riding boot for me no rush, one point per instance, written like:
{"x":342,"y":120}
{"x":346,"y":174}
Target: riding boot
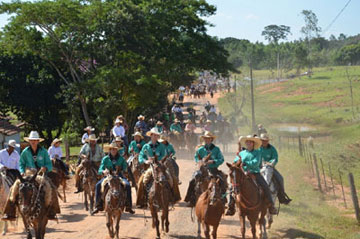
{"x":190,"y":197}
{"x":78,"y":186}
{"x":99,"y":207}
{"x":283,"y":197}
{"x":9,"y":211}
{"x":231,"y":206}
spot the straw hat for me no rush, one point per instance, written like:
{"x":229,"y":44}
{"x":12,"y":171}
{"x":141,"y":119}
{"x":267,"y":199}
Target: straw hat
{"x":159,"y":123}
{"x":153,"y":131}
{"x":260,"y":125}
{"x":34,"y":135}
{"x":12,"y":143}
{"x":138,"y":134}
{"x":256,"y":140}
{"x":208,"y":121}
{"x":118,"y":139}
{"x":265,"y":137}
{"x":89,"y":128}
{"x":92,"y":137}
{"x":121,"y":117}
{"x":56,"y":140}
{"x":163,"y":138}
{"x":188,"y":121}
{"x":176,"y":120}
{"x":141,"y":117}
{"x":111,"y":146}
{"x":208,"y":134}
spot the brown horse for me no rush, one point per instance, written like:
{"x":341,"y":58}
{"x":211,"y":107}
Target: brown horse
{"x":32,"y":206}
{"x":159,"y":198}
{"x":61,"y":177}
{"x":209,"y":209}
{"x":249,"y":199}
{"x":115,"y":200}
{"x":89,"y":180}
{"x":136,"y":168}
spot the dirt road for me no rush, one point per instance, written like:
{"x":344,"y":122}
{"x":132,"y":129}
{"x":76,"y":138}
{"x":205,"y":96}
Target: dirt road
{"x":75,"y":222}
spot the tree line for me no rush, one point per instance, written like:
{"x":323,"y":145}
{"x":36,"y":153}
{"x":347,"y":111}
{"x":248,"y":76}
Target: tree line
{"x":66,"y":64}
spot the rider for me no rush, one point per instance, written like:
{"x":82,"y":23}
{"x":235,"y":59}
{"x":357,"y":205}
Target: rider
{"x":112,"y":162}
{"x":159,"y":126}
{"x":147,"y":154}
{"x":86,"y":135}
{"x":176,"y":127}
{"x":213,"y":159}
{"x":137,"y":144}
{"x":33,"y":157}
{"x":140,"y":124}
{"x":118,"y":130}
{"x":189,"y":127}
{"x":55,"y":152}
{"x":261,"y":130}
{"x":170,"y":153}
{"x":269,"y":156}
{"x":251,"y":162}
{"x":9,"y":157}
{"x":94,"y":153}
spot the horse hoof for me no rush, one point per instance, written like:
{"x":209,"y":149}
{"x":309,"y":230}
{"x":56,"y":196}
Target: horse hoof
{"x":3,"y":233}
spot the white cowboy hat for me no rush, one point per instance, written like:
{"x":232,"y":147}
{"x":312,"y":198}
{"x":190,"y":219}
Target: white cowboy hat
{"x":159,"y":123}
{"x":208,"y":134}
{"x":34,"y":135}
{"x":256,"y":140}
{"x":163,"y":138}
{"x":113,"y":145}
{"x":208,"y":121}
{"x":89,"y":128}
{"x":12,"y":143}
{"x":153,"y":131}
{"x":138,"y":134}
{"x":118,"y":121}
{"x":265,"y":137}
{"x":92,"y":137}
{"x":56,"y":140}
{"x":118,"y":139}
{"x":141,"y":117}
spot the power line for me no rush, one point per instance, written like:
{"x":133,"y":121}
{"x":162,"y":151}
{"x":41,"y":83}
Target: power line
{"x":337,"y":16}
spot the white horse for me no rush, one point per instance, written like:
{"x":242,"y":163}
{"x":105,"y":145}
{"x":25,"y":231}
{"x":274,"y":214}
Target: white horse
{"x":267,"y":172}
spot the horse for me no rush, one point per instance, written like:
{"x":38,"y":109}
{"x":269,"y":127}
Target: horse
{"x":159,"y":198}
{"x":209,"y":209}
{"x":136,"y":168}
{"x":61,"y":177}
{"x":115,"y":200}
{"x":267,"y":172}
{"x":249,"y":199}
{"x":7,"y":179}
{"x":33,"y":209}
{"x":88,"y":182}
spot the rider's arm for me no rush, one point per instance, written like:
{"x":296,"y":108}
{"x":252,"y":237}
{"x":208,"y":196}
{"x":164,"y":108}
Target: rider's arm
{"x":171,"y":149}
{"x":274,"y":155}
{"x":102,"y":166}
{"x":218,"y":158}
{"x":142,"y":155}
{"x":131,"y":146}
{"x":22,"y":161}
{"x":47,"y":161}
{"x":123,"y":164}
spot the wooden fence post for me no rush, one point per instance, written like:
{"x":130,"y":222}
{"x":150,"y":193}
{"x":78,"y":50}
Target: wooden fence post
{"x":300,"y":147}
{"x":354,"y":197}
{"x":67,"y":151}
{"x":332,"y":181}
{"x":311,"y":165}
{"x":323,"y":171}
{"x":317,"y":173}
{"x":342,"y":188}
{"x":305,"y":153}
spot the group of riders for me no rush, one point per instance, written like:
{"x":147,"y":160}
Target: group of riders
{"x":254,"y":152}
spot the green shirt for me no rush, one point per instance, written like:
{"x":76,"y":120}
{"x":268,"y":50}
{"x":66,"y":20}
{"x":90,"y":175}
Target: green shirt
{"x":251,"y":160}
{"x":269,"y":154}
{"x":169,"y":149}
{"x":216,"y":155}
{"x":176,"y":127}
{"x":86,"y":150}
{"x":27,"y":159}
{"x":107,"y":163}
{"x":133,"y":146}
{"x":150,"y":150}
{"x":122,"y":151}
{"x":160,"y":128}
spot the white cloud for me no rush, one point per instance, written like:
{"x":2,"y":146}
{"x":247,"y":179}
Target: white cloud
{"x":251,"y":16}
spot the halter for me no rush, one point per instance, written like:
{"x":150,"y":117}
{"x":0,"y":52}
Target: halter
{"x":34,"y":208}
{"x":116,"y":194}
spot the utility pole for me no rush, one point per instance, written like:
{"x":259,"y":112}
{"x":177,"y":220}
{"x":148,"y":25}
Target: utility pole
{"x":253,"y":124}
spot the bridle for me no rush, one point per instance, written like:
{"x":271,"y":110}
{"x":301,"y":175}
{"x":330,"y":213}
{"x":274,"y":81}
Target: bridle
{"x":32,"y":211}
{"x":115,"y":194}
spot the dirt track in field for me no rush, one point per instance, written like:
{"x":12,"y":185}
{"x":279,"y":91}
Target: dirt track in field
{"x":75,"y":222}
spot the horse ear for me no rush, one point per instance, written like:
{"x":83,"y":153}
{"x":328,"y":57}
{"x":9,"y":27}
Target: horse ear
{"x":22,"y":180}
{"x":229,"y":165}
{"x":218,"y":181}
{"x":33,"y":177}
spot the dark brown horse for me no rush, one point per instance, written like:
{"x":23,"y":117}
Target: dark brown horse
{"x":115,"y":200}
{"x":60,"y":177}
{"x":202,"y":178}
{"x":136,"y":168}
{"x":32,"y":206}
{"x":89,"y":180}
{"x":160,"y":197}
{"x":249,"y":199}
{"x":209,"y":209}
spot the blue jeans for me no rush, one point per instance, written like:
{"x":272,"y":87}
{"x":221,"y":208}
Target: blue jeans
{"x":127,"y":188}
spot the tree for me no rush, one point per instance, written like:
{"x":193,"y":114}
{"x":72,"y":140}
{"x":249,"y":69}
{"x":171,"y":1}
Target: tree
{"x":310,"y":30}
{"x":274,"y":33}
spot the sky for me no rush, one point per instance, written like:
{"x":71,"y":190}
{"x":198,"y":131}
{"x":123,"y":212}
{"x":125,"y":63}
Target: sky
{"x":246,"y":19}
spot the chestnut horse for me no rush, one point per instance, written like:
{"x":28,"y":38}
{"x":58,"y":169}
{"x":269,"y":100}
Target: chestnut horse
{"x":209,"y":209}
{"x":60,"y":177}
{"x":249,"y":199}
{"x":115,"y":200}
{"x":160,"y":197}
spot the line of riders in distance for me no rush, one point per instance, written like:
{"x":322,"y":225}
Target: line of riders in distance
{"x":254,"y":152}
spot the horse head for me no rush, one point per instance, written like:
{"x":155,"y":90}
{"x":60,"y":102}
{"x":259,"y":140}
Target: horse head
{"x":159,"y":173}
{"x":27,"y":191}
{"x":215,"y":190}
{"x":267,"y":172}
{"x":236,"y":174}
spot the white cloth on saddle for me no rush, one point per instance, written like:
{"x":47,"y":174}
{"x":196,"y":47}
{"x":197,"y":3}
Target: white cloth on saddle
{"x":106,"y":180}
{"x":14,"y":190}
{"x":148,"y":176}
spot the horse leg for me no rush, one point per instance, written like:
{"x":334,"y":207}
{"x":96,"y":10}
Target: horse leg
{"x":262,"y":223}
{"x":165,"y":219}
{"x":155,"y":222}
{"x":242,"y":225}
{"x":86,"y":201}
{"x":214,"y":232}
{"x":206,"y":230}
{"x":109,"y":224}
{"x":5,"y":228}
{"x":199,"y":229}
{"x":118,"y":224}
{"x":253,"y":220}
{"x":91,"y":196}
{"x":64,"y":188}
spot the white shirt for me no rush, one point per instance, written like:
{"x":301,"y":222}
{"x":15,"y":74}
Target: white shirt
{"x":118,"y":131}
{"x":212,"y":109}
{"x":84,"y":137}
{"x":55,"y":151}
{"x":10,"y":161}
